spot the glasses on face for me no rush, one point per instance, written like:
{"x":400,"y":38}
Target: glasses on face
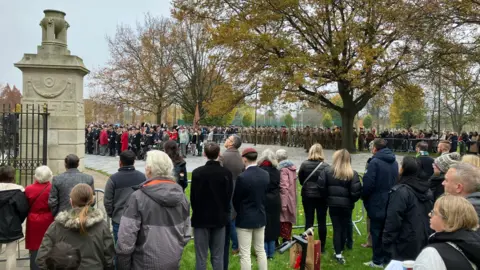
{"x":432,"y":213}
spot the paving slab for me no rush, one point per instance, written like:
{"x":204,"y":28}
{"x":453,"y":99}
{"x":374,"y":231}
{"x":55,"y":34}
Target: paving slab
{"x":296,"y":155}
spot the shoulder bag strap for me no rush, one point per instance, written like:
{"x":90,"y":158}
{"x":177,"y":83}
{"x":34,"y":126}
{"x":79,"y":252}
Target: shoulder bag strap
{"x":311,"y":174}
{"x":474,"y":267}
{"x":34,"y":200}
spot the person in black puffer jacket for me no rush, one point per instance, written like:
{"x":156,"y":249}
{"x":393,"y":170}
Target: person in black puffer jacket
{"x":314,"y":193}
{"x":344,"y":189}
{"x":13,"y":210}
{"x":407,"y":226}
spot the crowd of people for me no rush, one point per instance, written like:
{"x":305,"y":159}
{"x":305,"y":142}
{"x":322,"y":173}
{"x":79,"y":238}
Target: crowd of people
{"x":102,"y":139}
{"x":423,"y":209}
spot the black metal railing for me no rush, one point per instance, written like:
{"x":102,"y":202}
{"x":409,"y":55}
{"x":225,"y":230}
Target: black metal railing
{"x":23,"y":139}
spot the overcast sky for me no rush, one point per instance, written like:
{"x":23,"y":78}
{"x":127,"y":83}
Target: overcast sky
{"x":90,"y":21}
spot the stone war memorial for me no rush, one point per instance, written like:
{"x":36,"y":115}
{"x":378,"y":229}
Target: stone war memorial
{"x":53,"y":78}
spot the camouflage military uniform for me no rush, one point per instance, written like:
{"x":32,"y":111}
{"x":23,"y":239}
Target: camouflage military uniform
{"x":328,"y":139}
{"x":338,"y":139}
{"x":322,"y":138}
{"x":262,"y":135}
{"x":307,"y":139}
{"x":298,"y":138}
{"x":283,"y":137}
{"x":290,"y":135}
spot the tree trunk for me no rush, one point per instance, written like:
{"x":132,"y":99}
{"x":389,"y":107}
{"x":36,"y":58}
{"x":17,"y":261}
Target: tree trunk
{"x":174,"y":115}
{"x":159,"y":114}
{"x":348,"y":116}
{"x":377,"y":115}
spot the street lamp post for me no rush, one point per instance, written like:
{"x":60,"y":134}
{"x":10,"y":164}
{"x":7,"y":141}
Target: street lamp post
{"x":256,"y":108}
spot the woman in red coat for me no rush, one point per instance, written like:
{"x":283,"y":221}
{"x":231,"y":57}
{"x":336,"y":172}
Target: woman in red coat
{"x":39,"y":217}
{"x":124,"y":140}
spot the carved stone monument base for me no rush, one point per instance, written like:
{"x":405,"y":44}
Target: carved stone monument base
{"x":55,"y":77}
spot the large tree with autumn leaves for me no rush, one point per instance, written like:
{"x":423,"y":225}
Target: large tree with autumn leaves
{"x":316,"y":49}
{"x":9,"y":97}
{"x":139,"y":72}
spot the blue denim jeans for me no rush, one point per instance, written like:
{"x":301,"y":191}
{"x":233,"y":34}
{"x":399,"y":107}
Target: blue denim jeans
{"x":233,"y":235}
{"x":270,"y":248}
{"x":115,"y":227}
{"x":33,"y":257}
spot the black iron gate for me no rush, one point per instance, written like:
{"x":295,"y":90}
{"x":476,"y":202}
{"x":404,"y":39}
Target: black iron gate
{"x":23,"y":139}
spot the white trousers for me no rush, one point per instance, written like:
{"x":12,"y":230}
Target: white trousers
{"x":11,"y":255}
{"x":245,"y":245}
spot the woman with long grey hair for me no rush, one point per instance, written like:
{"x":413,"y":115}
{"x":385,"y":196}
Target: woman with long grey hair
{"x":288,"y":194}
{"x":269,"y":163}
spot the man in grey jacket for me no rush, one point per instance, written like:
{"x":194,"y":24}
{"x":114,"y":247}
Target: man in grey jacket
{"x":119,"y":187}
{"x":232,"y":160}
{"x":155,"y":226}
{"x":463,"y":179}
{"x":62,"y":184}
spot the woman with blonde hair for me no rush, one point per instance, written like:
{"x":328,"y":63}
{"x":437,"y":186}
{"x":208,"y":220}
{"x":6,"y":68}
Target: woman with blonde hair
{"x":456,"y":241}
{"x":472,"y":159}
{"x":39,"y":217}
{"x":344,"y":189}
{"x":268,"y":162}
{"x":312,"y":177}
{"x":84,"y":228}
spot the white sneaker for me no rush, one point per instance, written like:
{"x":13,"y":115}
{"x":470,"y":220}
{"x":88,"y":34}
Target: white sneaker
{"x":373,"y":265}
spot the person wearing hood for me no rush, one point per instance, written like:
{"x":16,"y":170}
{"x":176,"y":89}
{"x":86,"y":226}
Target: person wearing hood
{"x":406,"y":226}
{"x":463,"y":179}
{"x":179,"y":164}
{"x":84,"y":228}
{"x":155,"y":226}
{"x":456,"y":241}
{"x":440,"y":167}
{"x":379,"y":178}
{"x":344,"y":189}
{"x":13,"y":210}
{"x":288,"y":194}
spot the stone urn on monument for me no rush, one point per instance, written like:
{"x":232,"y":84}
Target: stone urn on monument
{"x":54,"y":77}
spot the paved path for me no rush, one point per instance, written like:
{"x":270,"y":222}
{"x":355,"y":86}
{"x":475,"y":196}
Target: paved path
{"x":296,"y":155}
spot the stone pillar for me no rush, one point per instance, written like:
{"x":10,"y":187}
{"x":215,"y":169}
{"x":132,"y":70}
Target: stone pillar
{"x":55,"y":77}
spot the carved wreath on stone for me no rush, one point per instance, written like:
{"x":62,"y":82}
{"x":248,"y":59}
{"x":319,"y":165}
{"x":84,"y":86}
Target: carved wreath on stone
{"x":48,"y":88}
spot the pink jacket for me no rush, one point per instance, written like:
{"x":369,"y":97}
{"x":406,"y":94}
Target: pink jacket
{"x":288,"y":191}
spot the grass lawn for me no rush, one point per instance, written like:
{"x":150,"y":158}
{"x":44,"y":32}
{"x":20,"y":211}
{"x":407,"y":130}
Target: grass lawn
{"x":355,"y":257}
